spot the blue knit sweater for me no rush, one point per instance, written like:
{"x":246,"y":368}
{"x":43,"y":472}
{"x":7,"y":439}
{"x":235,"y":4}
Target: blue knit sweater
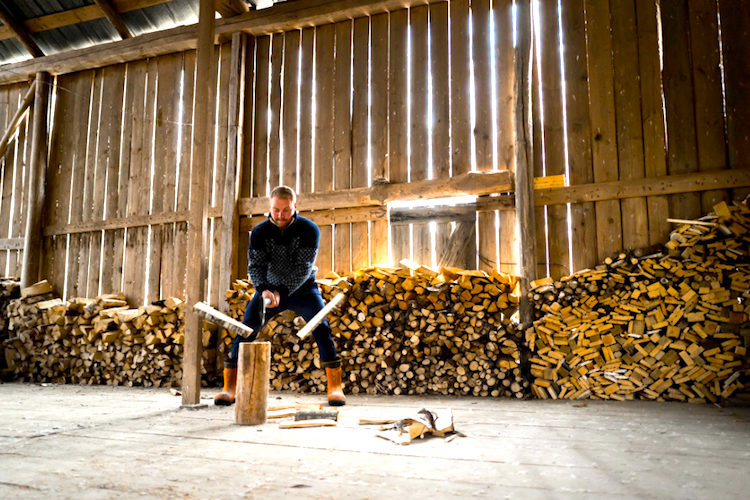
{"x":283,"y":260}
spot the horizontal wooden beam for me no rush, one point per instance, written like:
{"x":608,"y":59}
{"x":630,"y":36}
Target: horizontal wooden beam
{"x":75,"y":16}
{"x":469,"y":184}
{"x":619,"y":190}
{"x":328,"y":217}
{"x":11,"y":243}
{"x":306,"y":13}
{"x":125,"y":222}
{"x":280,"y":17}
{"x":139,"y":47}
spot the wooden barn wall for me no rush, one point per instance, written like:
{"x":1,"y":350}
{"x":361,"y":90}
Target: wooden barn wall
{"x":13,"y":176}
{"x":417,"y":93}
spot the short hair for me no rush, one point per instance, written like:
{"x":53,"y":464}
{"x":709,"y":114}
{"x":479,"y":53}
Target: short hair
{"x":284,"y":193}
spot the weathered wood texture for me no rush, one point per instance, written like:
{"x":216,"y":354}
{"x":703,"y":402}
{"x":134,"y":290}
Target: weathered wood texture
{"x":338,"y":109}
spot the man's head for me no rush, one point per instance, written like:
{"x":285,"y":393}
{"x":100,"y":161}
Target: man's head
{"x":283,"y":205}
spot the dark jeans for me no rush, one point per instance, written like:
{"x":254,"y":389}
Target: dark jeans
{"x":306,"y":302}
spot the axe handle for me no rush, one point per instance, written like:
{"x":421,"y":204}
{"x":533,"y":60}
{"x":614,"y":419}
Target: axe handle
{"x":318,"y":318}
{"x":212,"y":315}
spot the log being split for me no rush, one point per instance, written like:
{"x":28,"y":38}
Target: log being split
{"x":318,"y":318}
{"x":253,"y":373}
{"x":211,"y":315}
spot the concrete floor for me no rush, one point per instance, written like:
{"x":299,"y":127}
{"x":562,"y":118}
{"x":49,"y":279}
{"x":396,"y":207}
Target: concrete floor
{"x":60,"y":442}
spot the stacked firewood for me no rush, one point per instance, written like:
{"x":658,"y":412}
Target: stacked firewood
{"x":664,"y":323}
{"x":407,"y":330}
{"x":10,"y":289}
{"x":98,"y":341}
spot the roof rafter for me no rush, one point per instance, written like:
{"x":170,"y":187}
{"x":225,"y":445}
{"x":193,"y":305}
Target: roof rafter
{"x":75,"y":16}
{"x":114,"y":18}
{"x":230,"y":8}
{"x":19,"y":31}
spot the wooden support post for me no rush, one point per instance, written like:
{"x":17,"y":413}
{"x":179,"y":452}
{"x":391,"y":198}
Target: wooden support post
{"x":114,"y":18}
{"x":202,"y":152}
{"x":16,"y":120}
{"x":19,"y":30}
{"x":37,"y":170}
{"x":230,"y":225}
{"x":253,"y":374}
{"x":524,"y":161}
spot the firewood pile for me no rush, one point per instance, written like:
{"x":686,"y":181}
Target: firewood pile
{"x":10,"y":289}
{"x":408,"y":330}
{"x":97,"y":341}
{"x":663,"y":323}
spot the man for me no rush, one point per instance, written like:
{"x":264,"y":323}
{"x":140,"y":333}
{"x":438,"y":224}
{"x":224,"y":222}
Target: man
{"x":281,"y":266}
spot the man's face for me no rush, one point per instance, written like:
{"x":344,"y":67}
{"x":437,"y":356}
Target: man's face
{"x":282,"y":211}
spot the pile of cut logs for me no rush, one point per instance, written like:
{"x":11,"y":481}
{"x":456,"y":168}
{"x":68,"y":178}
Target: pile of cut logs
{"x":408,"y":330}
{"x":10,"y":289}
{"x":664,"y":323}
{"x":97,"y":341}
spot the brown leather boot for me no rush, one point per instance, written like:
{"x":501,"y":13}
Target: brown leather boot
{"x":226,"y":396}
{"x":335,"y":393}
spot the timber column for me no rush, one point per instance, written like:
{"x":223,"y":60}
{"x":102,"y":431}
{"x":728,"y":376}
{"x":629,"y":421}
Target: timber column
{"x":32,"y":240}
{"x":524,"y":156}
{"x":196,"y":266}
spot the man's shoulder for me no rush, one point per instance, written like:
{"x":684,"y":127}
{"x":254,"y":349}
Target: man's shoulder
{"x":262,"y":227}
{"x":303,"y":224}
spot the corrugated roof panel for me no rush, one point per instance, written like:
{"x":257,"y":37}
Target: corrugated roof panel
{"x":154,"y":18}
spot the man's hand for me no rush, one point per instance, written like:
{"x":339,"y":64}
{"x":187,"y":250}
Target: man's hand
{"x":274,"y":297}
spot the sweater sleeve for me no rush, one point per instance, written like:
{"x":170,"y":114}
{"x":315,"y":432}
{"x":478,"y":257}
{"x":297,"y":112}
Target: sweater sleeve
{"x":258,"y":260}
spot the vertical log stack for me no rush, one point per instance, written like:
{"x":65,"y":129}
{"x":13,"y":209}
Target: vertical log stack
{"x":409,"y":330}
{"x":664,"y":323}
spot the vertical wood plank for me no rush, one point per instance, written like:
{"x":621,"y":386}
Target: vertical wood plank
{"x":441,"y":117}
{"x":186,"y":121}
{"x":342,"y":151}
{"x":460,"y":75}
{"x":603,"y":128}
{"x":277,"y":46}
{"x":96,"y":183}
{"x":583,"y":218}
{"x":161,"y":282}
{"x":483,"y":128}
{"x":220,"y":169}
{"x":709,"y":113}
{"x":109,"y":156}
{"x":540,"y":213}
{"x":133,"y":269}
{"x":305,"y":169}
{"x":420,"y":136}
{"x":398,"y":122}
{"x":247,"y":157}
{"x":554,"y":137}
{"x":58,"y":180}
{"x":260,"y":136}
{"x":652,"y":113}
{"x":8,"y":167}
{"x":505,"y":77}
{"x":324,"y":81}
{"x":379,"y":128}
{"x":360,"y":126}
{"x":629,"y":123}
{"x":680,"y":104}
{"x":20,"y":190}
{"x":78,"y":243}
{"x":289,"y":106}
{"x":735,"y":36}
